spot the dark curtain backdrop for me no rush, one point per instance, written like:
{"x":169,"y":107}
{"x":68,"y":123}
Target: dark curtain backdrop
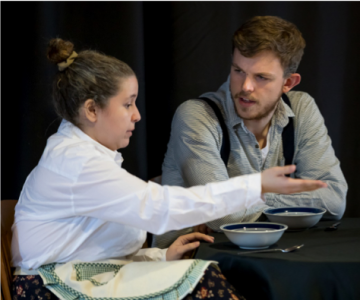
{"x":178,"y":51}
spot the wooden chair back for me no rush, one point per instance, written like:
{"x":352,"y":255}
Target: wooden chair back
{"x":156,"y":179}
{"x":7,"y":219}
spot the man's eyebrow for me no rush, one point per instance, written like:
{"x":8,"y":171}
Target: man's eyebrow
{"x":269,"y":75}
{"x":263,"y":74}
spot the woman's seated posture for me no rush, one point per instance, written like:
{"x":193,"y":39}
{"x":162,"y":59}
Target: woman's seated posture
{"x":81,"y":218}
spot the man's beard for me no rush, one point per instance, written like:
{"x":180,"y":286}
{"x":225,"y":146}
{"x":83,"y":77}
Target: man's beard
{"x":268,"y":109}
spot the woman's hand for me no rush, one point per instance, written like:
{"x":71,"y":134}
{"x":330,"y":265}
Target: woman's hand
{"x":202,"y":228}
{"x":186,"y":243}
{"x":273,"y":180}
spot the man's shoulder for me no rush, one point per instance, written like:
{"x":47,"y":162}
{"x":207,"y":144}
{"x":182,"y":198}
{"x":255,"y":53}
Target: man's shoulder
{"x":304,"y":108}
{"x":195,"y":109}
{"x":299,"y":97}
{"x":302,"y":104}
{"x":196,"y":104}
{"x":195,"y":116}
{"x":300,"y":100}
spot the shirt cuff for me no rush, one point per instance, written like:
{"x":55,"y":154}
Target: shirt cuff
{"x":254,"y":186}
{"x":149,"y":254}
{"x":164,"y":251}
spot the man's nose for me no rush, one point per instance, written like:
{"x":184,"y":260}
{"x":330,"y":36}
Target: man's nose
{"x":248,"y":85}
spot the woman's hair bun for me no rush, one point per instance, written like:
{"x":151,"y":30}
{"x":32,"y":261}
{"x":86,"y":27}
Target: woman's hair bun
{"x":59,"y":50}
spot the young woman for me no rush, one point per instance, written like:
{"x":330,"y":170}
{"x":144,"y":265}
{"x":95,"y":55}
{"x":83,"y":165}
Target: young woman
{"x":81,"y":218}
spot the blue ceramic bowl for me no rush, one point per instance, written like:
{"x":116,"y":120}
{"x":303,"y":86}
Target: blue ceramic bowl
{"x":295,"y":217}
{"x":256,"y":235}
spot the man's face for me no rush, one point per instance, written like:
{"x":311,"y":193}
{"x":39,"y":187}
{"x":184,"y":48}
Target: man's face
{"x":256,"y":84}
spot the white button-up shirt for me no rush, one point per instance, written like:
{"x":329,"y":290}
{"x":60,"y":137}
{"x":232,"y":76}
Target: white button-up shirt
{"x":80,"y":204}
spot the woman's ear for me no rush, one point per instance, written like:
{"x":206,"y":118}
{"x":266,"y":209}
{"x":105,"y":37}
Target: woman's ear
{"x":90,"y":110}
{"x":293,"y":80}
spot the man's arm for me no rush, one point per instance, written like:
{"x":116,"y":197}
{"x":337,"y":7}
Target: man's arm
{"x":196,"y":139}
{"x":315,"y":159}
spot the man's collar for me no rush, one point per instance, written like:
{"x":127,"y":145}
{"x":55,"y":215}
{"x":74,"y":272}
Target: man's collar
{"x":282,"y":114}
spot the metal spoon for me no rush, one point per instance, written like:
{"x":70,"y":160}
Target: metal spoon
{"x":333,"y":227}
{"x":290,"y":249}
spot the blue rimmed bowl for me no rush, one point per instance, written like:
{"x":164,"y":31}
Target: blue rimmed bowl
{"x":257,"y":235}
{"x":295,"y":217}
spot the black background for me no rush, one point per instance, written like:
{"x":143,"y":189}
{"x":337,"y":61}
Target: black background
{"x":178,"y":50}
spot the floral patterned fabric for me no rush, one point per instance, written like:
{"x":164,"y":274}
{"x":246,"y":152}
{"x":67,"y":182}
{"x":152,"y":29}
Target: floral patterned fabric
{"x":30,"y":287}
{"x":213,"y":285}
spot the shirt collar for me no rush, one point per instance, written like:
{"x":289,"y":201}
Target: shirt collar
{"x":282,"y":114}
{"x":68,"y":129}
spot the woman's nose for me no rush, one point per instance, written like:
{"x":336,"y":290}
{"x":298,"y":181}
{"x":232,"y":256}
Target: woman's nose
{"x":136,"y":116}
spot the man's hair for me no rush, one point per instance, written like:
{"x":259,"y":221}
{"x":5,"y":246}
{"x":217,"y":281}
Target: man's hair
{"x":269,"y":33}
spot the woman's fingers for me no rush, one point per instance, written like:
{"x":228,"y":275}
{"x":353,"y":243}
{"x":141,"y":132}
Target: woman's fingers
{"x":196,"y":236}
{"x":274,"y":181}
{"x":186,"y":243}
{"x":186,"y":251}
{"x":304,"y":185}
{"x":202,"y":228}
{"x":188,"y":247}
{"x":280,"y":171}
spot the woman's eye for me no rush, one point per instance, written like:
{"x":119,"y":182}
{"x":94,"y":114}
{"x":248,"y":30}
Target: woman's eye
{"x":128,"y":105}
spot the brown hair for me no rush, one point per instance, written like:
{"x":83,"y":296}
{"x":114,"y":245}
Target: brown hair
{"x":91,"y":75}
{"x":269,"y":33}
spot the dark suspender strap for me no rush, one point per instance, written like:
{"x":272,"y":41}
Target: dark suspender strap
{"x":225,"y":147}
{"x":288,"y":134}
{"x":288,"y":137}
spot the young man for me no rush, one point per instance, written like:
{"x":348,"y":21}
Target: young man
{"x":266,"y":53}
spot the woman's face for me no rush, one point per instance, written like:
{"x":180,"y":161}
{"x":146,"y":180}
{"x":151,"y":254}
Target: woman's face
{"x":116,"y":122}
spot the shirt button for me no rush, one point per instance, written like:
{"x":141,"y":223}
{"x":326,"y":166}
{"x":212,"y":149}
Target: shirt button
{"x":256,"y":146}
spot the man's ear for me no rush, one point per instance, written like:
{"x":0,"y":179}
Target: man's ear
{"x":90,"y":110}
{"x":293,"y":80}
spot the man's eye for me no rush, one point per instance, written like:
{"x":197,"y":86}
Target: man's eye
{"x":262,"y":78}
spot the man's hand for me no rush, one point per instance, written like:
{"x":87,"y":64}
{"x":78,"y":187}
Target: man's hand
{"x":202,"y":228}
{"x":273,"y":180}
{"x":186,"y":243}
